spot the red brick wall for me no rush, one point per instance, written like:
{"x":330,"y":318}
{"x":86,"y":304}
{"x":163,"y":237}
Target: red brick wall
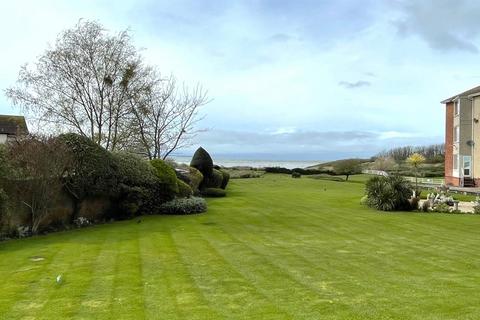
{"x":453,"y":181}
{"x":449,"y":179}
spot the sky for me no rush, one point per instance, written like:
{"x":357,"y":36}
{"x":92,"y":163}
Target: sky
{"x":293,"y":80}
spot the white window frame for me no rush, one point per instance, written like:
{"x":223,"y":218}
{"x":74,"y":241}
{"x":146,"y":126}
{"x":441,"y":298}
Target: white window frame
{"x":456,"y":108}
{"x":455,"y":161}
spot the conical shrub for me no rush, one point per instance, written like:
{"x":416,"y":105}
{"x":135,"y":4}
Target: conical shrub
{"x":202,"y":161}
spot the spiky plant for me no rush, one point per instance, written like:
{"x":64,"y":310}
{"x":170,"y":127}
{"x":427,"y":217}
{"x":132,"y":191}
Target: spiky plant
{"x":415,"y":160}
{"x":388,"y":193}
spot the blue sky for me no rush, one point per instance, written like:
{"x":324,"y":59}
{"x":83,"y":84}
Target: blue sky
{"x":288,"y":79}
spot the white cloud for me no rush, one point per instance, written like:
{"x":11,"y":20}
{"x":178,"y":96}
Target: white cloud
{"x":269,"y":76}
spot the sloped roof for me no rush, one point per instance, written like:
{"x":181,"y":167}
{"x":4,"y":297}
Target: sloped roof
{"x":13,"y":125}
{"x":465,"y":93}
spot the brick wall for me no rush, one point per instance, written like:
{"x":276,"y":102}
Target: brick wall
{"x":449,"y":179}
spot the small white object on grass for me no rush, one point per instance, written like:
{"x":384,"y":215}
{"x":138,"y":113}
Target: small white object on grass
{"x":59,"y":279}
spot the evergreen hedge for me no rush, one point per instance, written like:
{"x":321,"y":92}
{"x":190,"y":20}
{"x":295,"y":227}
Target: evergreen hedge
{"x":202,"y":161}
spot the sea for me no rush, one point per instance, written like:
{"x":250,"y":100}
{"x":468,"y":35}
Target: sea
{"x":289,"y":164}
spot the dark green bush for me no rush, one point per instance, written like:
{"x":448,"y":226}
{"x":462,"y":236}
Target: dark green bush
{"x":214,"y":180}
{"x":190,"y":175}
{"x":140,"y":189}
{"x":166,"y":174}
{"x":213,"y":192}
{"x":302,"y":171}
{"x":196,"y":178}
{"x":433,"y":174}
{"x":3,"y":206}
{"x":184,"y":206}
{"x":296,"y":174}
{"x":130,"y":202}
{"x":3,"y":162}
{"x":202,"y":161}
{"x":388,"y":193}
{"x":3,"y":174}
{"x":184,"y":190}
{"x":277,"y":170}
{"x":307,"y":172}
{"x":225,"y":180}
{"x":133,"y":170}
{"x":94,"y":169}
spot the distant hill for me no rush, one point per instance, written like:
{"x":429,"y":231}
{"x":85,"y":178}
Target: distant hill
{"x":331,"y":164}
{"x":400,"y":167}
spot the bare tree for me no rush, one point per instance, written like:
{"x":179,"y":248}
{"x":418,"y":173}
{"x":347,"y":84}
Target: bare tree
{"x":83,"y":83}
{"x":434,"y":152}
{"x":40,"y":164}
{"x":384,"y":163}
{"x":163,"y":117}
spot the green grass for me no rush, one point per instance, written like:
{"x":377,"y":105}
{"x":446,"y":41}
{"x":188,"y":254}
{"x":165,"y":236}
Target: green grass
{"x":275,"y":248}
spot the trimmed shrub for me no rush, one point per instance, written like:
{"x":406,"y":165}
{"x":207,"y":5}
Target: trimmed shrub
{"x":212,"y":181}
{"x":129,"y":202}
{"x":140,"y":189}
{"x":196,"y":178}
{"x":213,"y":192}
{"x":388,"y":193}
{"x":184,"y":190}
{"x":225,"y":180}
{"x":166,"y":174}
{"x":94,"y":170}
{"x":133,"y":170}
{"x":137,"y":179}
{"x":184,"y":206}
{"x":202,"y":161}
{"x":296,"y":174}
{"x":190,"y":175}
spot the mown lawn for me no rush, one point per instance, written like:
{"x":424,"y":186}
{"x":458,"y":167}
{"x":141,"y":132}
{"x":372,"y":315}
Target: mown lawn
{"x":275,"y":248}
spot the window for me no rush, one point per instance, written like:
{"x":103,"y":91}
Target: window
{"x":467,"y":165}
{"x":455,"y":162}
{"x":456,"y":134}
{"x":456,"y":107}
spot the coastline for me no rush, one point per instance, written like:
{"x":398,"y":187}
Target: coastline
{"x":253,"y":163}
